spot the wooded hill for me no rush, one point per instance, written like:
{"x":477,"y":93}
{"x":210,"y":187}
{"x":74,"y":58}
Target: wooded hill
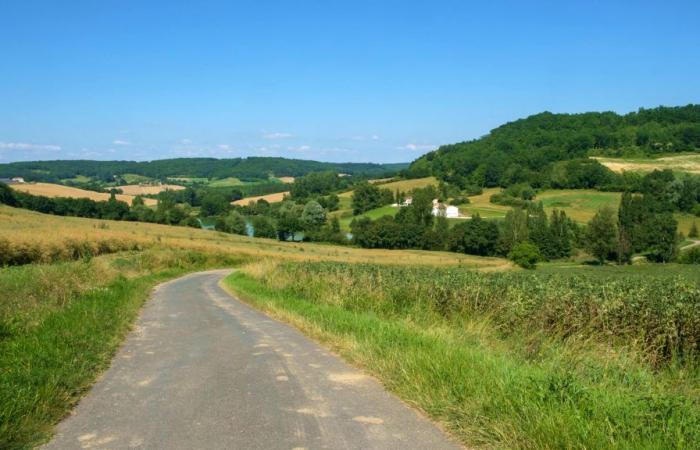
{"x":252,"y":168}
{"x":532,"y":150}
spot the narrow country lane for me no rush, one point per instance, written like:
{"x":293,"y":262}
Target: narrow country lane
{"x":202,"y":370}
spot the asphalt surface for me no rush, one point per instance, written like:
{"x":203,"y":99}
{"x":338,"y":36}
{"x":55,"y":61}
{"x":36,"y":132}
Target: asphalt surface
{"x":202,"y":370}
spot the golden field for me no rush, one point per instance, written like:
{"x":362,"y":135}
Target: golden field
{"x":137,"y":189}
{"x":271,"y":198}
{"x":45,"y":236}
{"x":58,"y":190}
{"x":401,"y":185}
{"x":681,"y":163}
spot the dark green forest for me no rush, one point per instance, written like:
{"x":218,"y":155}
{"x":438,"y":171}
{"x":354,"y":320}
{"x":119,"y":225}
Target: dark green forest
{"x":246,"y":169}
{"x":552,"y":150}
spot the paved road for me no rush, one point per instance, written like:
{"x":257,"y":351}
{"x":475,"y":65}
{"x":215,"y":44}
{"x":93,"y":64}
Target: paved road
{"x":203,"y":371}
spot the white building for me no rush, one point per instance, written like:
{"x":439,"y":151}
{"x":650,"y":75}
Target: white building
{"x":440,"y":210}
{"x":18,"y":180}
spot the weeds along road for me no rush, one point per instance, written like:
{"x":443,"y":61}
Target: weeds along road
{"x":202,"y":370}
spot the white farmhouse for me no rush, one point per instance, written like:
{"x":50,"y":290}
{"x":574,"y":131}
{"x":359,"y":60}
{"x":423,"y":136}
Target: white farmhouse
{"x":452,"y":212}
{"x":441,"y":210}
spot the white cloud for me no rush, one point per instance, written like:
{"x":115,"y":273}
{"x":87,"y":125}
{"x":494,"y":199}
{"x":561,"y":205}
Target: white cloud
{"x":185,"y":141}
{"x":277,"y":135}
{"x":223,"y":147}
{"x":373,"y":137}
{"x":26,"y":146}
{"x":120,"y":142}
{"x":418,"y":147}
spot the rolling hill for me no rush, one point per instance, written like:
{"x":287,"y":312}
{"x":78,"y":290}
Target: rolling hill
{"x":252,"y":168}
{"x":539,"y":149}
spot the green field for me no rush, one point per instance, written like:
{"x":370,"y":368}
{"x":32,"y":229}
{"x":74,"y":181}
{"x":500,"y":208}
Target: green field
{"x":372,"y":214}
{"x":225,"y":182}
{"x":77,"y":179}
{"x":498,"y":358}
{"x":131,"y":178}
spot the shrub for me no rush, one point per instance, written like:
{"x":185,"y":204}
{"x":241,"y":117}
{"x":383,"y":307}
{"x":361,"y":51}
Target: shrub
{"x":526,"y":255}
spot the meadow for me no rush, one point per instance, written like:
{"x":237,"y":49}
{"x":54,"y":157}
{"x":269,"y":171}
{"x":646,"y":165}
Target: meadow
{"x":42,"y":238}
{"x":513,"y":359}
{"x":73,"y":286}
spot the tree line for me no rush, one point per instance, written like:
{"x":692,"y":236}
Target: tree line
{"x":247,"y":169}
{"x":552,"y":150}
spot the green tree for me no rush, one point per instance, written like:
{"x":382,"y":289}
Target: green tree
{"x":213,"y":204}
{"x":313,"y":216}
{"x":233,"y":222}
{"x":365,"y":196}
{"x":514,"y":229}
{"x":475,"y":237}
{"x":601,"y":235}
{"x":663,"y":243}
{"x":693,"y":233}
{"x":263,"y":227}
{"x":525,"y":254}
{"x":7,"y":196}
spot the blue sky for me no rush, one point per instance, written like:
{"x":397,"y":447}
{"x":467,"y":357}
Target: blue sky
{"x":381,"y":81}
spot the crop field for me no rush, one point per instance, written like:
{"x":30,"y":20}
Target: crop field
{"x":270,"y":198}
{"x":681,"y":163}
{"x":402,"y":185}
{"x":136,"y":189}
{"x":498,"y":358}
{"x":57,"y":190}
{"x":286,"y":180}
{"x":36,"y":237}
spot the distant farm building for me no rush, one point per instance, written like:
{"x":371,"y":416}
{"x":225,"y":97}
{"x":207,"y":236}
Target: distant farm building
{"x":441,"y":210}
{"x":14,"y":180}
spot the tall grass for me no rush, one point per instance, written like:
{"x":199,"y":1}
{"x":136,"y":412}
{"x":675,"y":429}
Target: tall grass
{"x":509,"y":360}
{"x":60,"y":325}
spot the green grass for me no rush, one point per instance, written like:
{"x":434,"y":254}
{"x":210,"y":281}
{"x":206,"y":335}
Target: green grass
{"x":372,"y":214}
{"x":517,"y":360}
{"x":61,"y":324}
{"x":132,"y":178}
{"x":77,"y":179}
{"x":226,"y":182}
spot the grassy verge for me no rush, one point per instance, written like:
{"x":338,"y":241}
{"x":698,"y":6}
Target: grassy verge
{"x":61,"y":324}
{"x":518,"y":380}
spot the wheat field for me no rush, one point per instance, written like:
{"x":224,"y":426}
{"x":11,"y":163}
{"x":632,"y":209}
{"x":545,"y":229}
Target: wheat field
{"x":46,"y":235}
{"x":58,"y":190}
{"x":137,"y":189}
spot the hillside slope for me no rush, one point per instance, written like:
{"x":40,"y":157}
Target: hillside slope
{"x":528,"y":150}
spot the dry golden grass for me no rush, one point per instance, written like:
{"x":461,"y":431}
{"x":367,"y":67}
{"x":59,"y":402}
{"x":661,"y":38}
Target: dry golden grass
{"x":58,"y":190}
{"x":136,"y":189}
{"x":21,"y":227}
{"x":287,"y":180}
{"x":271,"y":198}
{"x":403,"y":185}
{"x":682,"y":163}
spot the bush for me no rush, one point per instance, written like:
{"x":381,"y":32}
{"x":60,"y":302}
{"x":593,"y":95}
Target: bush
{"x":691,"y":256}
{"x":526,"y":255}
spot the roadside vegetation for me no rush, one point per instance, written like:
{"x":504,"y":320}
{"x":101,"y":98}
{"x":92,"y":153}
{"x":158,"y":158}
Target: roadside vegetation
{"x":61,"y":324}
{"x":588,"y":359}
